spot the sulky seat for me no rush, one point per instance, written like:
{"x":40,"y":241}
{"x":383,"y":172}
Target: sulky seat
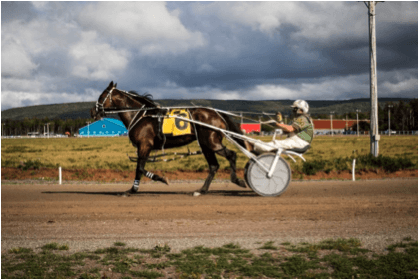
{"x":300,"y":150}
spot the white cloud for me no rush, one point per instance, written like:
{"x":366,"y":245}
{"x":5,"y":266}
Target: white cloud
{"x":11,"y":99}
{"x":40,"y":5}
{"x":40,"y":35}
{"x":21,"y":84}
{"x":96,"y":60}
{"x":148,"y":26}
{"x":349,"y":87}
{"x":401,"y":86}
{"x":318,"y":89}
{"x":15,"y":60}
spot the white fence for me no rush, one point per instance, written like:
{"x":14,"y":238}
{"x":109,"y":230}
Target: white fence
{"x":328,"y":132}
{"x":414,"y":132}
{"x":58,"y":136}
{"x":317,"y":133}
{"x":33,"y":136}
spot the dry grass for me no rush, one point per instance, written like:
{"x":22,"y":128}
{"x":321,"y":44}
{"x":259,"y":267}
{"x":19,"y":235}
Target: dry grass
{"x":110,"y":153}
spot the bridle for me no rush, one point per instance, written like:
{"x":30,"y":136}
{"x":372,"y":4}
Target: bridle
{"x":110,"y":110}
{"x":116,"y":110}
{"x":99,"y":106}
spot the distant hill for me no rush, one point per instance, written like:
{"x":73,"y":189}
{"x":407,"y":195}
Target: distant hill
{"x":82,"y":109}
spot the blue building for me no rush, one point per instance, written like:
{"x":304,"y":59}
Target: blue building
{"x":105,"y":127}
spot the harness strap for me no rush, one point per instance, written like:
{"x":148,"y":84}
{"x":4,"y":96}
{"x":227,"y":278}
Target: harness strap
{"x":225,"y":122}
{"x":131,"y":126}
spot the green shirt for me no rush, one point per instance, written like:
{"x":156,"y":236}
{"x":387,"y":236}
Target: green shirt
{"x":303,"y":128}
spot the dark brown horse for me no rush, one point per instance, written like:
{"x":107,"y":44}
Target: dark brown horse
{"x":146,"y":135}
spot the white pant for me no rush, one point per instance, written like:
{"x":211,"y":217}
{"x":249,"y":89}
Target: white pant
{"x":288,"y":143}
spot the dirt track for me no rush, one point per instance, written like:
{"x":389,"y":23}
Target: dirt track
{"x":378,"y":212}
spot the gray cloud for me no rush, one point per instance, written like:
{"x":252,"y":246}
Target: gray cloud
{"x":54,"y":52}
{"x":12,"y":10}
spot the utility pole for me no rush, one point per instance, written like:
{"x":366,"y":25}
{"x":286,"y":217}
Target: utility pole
{"x":357,"y":123}
{"x":389,"y":131}
{"x":88,"y":129}
{"x":346,"y":125}
{"x":331,"y":122}
{"x":374,"y":135}
{"x":47,"y":125}
{"x":411,"y":120}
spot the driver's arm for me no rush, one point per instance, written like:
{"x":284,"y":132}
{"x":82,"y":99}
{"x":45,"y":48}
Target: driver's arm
{"x":280,"y":123}
{"x":285,"y":127}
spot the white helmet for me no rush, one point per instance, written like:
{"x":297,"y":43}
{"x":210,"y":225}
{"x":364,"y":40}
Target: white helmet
{"x":301,"y":104}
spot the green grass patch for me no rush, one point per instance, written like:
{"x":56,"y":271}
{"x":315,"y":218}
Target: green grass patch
{"x":330,"y":258}
{"x":55,"y":246}
{"x":269,"y":246}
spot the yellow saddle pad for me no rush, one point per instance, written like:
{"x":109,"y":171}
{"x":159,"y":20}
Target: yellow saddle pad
{"x":175,"y":126}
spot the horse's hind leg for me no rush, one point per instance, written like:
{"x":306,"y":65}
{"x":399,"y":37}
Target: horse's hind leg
{"x":231,"y":156}
{"x":213,"y":167}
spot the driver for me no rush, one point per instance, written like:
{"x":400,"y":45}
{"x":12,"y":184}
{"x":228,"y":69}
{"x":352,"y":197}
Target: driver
{"x":299,"y":130}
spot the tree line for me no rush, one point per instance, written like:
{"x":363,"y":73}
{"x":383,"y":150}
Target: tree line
{"x":39,"y":126}
{"x":403,"y":117}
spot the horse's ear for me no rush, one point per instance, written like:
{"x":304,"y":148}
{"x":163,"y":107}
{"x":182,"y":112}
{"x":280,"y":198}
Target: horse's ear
{"x":111,"y":85}
{"x":115,"y":85}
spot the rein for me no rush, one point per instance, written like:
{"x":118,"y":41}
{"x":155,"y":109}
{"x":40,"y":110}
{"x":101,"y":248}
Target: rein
{"x":116,"y":110}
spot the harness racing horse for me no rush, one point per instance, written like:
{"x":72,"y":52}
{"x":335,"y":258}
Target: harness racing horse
{"x":140,"y":114}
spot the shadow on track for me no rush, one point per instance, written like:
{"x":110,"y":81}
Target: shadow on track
{"x":157,"y":193}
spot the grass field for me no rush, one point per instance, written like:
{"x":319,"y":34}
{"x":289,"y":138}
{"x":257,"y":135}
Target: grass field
{"x":331,"y":258}
{"x":111,"y":153}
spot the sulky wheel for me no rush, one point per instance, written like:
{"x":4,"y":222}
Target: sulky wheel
{"x":258,"y":180}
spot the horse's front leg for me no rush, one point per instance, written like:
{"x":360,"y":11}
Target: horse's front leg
{"x":138,"y":174}
{"x":140,"y":171}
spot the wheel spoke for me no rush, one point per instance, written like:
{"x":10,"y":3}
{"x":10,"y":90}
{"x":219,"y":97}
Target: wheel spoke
{"x":257,"y":177}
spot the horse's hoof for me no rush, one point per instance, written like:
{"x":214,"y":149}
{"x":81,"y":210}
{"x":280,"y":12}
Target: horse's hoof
{"x":165,"y":180}
{"x":196,"y":194}
{"x":241,"y":184}
{"x":129,"y":193}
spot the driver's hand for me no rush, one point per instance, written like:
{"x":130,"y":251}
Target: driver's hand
{"x":279,"y":117}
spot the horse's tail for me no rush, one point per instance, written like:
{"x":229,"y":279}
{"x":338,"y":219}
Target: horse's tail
{"x":234,"y":127}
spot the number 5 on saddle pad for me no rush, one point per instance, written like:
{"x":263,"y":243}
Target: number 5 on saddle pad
{"x":175,"y":126}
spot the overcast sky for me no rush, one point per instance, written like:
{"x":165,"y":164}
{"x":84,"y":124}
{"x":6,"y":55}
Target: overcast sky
{"x":58,"y":52}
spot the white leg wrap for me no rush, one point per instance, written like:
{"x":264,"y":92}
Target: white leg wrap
{"x":136,"y":185}
{"x":149,"y":175}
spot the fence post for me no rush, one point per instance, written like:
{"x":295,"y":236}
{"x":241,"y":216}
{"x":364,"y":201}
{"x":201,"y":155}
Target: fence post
{"x":353,"y":169}
{"x":60,"y":175}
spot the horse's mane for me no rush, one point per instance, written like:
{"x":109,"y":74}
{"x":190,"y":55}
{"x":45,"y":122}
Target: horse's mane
{"x":145,"y":98}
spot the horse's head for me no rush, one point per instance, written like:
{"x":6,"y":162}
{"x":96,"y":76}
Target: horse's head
{"x":114,"y":99}
{"x":104,"y":101}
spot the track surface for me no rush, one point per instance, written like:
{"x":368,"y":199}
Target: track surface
{"x":378,"y":212}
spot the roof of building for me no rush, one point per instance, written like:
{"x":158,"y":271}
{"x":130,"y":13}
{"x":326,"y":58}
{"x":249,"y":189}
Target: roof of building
{"x":111,"y":120}
{"x":115,"y":121}
{"x":337,"y":124}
